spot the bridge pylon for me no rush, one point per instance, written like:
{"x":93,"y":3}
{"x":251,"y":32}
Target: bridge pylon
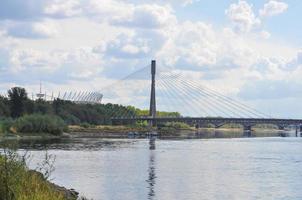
{"x":152,"y":111}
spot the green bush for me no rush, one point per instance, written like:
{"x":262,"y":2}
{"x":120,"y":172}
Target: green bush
{"x":85,"y":125}
{"x":5,"y":125}
{"x":38,"y":123}
{"x":177,"y":125}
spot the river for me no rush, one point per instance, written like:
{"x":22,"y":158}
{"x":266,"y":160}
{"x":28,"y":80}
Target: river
{"x":129,"y":169}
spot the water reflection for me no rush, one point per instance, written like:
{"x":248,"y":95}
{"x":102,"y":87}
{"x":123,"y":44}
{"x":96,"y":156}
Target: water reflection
{"x":178,"y":169}
{"x":152,"y":143}
{"x":151,"y":170}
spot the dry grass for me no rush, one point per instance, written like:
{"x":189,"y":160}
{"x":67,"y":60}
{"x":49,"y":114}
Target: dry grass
{"x":17,"y":183}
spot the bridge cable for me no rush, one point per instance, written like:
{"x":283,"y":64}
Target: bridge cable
{"x":174,"y":88}
{"x":194,"y":95}
{"x":228,"y":100}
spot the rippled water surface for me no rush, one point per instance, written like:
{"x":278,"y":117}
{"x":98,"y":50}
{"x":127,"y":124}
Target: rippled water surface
{"x":128,"y":169}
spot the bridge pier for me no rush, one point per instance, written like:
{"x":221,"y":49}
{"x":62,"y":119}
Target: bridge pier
{"x":299,"y":130}
{"x":152,"y":111}
{"x":247,"y":128}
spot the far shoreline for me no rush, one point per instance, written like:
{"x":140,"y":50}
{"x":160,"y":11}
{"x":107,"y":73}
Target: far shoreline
{"x":139,"y":132}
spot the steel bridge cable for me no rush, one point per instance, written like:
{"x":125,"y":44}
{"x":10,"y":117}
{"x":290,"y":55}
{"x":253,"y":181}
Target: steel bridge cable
{"x":169,"y":96}
{"x":206,"y":94}
{"x":209,"y":102}
{"x":128,"y":112}
{"x":223,"y":106}
{"x":187,"y":94}
{"x":228,"y":101}
{"x":242,"y":105}
{"x":125,"y":78}
{"x":160,"y":93}
{"x":171,"y":93}
{"x":123,"y":86}
{"x":123,"y":81}
{"x":194,"y":96}
{"x":214,"y":99}
{"x":175,"y":90}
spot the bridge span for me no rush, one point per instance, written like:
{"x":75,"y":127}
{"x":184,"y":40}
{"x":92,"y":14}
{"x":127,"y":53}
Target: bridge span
{"x":224,"y":110}
{"x":247,"y":123}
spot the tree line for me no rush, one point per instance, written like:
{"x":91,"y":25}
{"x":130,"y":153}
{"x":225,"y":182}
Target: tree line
{"x":17,"y":104}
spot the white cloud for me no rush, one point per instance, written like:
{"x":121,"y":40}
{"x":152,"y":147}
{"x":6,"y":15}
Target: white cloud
{"x":242,"y":16}
{"x":62,"y":8}
{"x":190,"y":43}
{"x":115,"y":12}
{"x":95,"y":40}
{"x":272,"y":8}
{"x":32,"y":30}
{"x":148,"y":16}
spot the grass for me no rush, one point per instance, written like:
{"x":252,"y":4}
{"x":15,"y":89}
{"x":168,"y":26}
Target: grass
{"x":18,"y":183}
{"x":105,"y":128}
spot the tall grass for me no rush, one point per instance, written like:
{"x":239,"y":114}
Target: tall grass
{"x":17,"y":183}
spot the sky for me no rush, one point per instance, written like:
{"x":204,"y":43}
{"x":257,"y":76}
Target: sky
{"x":246,"y":49}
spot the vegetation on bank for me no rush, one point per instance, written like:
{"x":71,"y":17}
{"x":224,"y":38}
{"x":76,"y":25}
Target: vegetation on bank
{"x":20,"y":114}
{"x":37,"y":123}
{"x":173,"y":126}
{"x":17,"y":182}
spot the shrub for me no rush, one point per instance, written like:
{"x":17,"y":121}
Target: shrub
{"x":177,"y":125}
{"x":5,"y":125}
{"x":85,"y":125}
{"x":38,"y":123}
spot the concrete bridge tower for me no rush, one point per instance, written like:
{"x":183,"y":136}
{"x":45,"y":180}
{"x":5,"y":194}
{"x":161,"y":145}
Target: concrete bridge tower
{"x":152,"y":111}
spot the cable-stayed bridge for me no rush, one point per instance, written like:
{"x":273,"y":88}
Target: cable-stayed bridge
{"x":192,"y":102}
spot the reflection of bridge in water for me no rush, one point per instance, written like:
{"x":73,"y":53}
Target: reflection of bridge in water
{"x":191,"y":96}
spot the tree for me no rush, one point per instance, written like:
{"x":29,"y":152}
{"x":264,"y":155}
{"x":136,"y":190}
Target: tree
{"x":17,"y":98}
{"x":4,"y":107}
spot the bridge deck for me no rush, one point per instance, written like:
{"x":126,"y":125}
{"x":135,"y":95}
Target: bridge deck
{"x":215,"y":120}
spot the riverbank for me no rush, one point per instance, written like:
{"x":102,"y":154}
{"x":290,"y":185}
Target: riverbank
{"x":142,"y":132}
{"x":125,"y":132}
{"x":19,"y":183}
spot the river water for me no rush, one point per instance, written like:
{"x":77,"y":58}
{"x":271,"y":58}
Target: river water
{"x":129,"y":169}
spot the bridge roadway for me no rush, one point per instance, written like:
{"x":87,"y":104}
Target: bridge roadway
{"x":247,"y":123}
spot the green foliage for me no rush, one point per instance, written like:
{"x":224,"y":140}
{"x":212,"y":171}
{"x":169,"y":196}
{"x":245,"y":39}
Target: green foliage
{"x":85,"y":125}
{"x":4,"y":107}
{"x":17,"y":183}
{"x":38,"y":123}
{"x":17,"y":98}
{"x":232,"y":125}
{"x":5,"y":125}
{"x":158,"y":113}
{"x":173,"y":126}
{"x":141,"y":124}
{"x":18,"y":105}
{"x":42,"y":107}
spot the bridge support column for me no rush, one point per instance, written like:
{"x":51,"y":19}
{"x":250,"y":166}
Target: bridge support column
{"x":247,"y":128}
{"x":152,"y":111}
